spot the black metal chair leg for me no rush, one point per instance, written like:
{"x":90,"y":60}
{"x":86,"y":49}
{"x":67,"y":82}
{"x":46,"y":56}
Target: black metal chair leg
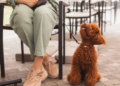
{"x":115,"y":11}
{"x":102,"y":19}
{"x":76,"y":26}
{"x":22,"y":52}
{"x":70,"y":27}
{"x":90,"y":11}
{"x":81,"y":21}
{"x":11,"y":82}
{"x":1,"y":42}
{"x":60,"y":38}
{"x":63,"y":34}
{"x":111,"y":15}
{"x":99,"y":14}
{"x":84,"y":20}
{"x":105,"y":19}
{"x":95,"y":19}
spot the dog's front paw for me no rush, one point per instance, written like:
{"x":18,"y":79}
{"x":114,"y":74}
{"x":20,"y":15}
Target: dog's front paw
{"x":72,"y":80}
{"x":74,"y":83}
{"x":68,"y":77}
{"x":98,"y":77}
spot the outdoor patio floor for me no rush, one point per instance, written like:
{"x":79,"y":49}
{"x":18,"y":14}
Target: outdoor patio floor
{"x":108,"y":58}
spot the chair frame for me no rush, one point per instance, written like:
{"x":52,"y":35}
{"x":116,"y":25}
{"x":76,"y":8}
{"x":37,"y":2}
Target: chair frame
{"x":61,"y":38}
{"x":1,"y":41}
{"x":103,"y":4}
{"x":15,"y":82}
{"x":81,"y":18}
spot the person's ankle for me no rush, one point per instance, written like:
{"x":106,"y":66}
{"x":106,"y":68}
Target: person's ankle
{"x":37,"y":67}
{"x":38,"y":63}
{"x":46,"y":57}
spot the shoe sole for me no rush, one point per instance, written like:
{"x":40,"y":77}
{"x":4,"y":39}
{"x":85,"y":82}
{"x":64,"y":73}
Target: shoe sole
{"x":52,"y":76}
{"x":45,"y":75}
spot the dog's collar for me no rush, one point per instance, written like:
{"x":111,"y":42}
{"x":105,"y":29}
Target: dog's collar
{"x":85,"y":44}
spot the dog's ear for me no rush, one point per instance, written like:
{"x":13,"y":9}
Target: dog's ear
{"x":83,"y":29}
{"x":98,"y":39}
{"x":83,"y":26}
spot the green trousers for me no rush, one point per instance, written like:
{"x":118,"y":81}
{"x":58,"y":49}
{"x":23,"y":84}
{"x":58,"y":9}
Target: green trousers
{"x":34,"y":27}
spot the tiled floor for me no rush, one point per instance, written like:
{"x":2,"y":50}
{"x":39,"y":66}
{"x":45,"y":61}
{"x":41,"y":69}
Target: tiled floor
{"x":108,"y":59}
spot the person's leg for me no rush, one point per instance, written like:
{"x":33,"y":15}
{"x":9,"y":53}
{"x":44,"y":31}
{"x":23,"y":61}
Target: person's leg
{"x":22,"y":22}
{"x":44,"y":21}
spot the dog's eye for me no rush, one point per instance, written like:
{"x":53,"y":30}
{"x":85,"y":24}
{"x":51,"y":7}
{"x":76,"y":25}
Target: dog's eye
{"x":97,"y":31}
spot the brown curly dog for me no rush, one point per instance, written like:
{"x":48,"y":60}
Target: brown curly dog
{"x":84,"y":60}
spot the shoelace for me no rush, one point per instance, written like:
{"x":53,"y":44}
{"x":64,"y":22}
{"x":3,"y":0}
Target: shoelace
{"x":50,"y":65}
{"x":39,"y":75}
{"x":32,"y":74}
